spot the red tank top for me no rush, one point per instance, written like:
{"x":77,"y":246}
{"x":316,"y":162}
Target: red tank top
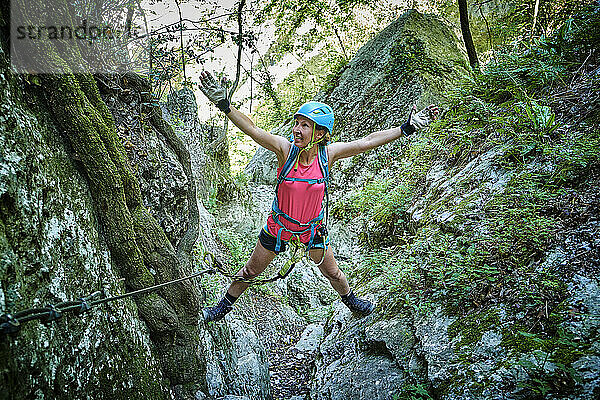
{"x":300,"y":200}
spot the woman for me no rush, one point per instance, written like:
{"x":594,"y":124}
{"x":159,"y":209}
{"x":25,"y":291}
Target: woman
{"x":297,"y":209}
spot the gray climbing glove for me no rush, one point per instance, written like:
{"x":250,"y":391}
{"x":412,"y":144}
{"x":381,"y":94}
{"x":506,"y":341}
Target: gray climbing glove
{"x":420,"y":120}
{"x":214,"y":91}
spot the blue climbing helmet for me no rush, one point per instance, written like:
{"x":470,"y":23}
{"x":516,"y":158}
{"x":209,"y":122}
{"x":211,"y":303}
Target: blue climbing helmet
{"x":317,"y":112}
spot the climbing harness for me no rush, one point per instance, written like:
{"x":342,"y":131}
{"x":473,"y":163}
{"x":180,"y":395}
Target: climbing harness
{"x":10,"y":324}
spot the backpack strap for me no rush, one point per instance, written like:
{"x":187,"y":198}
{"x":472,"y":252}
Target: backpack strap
{"x":288,"y":165}
{"x":324,"y":164}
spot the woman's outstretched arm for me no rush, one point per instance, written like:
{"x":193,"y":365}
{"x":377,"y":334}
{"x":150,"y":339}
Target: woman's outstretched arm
{"x":340,"y":150}
{"x":275,"y":143}
{"x":217,"y":93}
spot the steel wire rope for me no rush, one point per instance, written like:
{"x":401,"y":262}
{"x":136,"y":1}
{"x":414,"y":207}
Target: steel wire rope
{"x":11,"y":323}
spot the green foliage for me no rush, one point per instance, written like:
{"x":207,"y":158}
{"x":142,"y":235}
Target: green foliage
{"x":381,"y":205}
{"x":333,"y":29}
{"x":577,"y":155}
{"x":239,"y":246}
{"x":518,"y":23}
{"x":211,"y":283}
{"x":409,"y":58}
{"x":379,"y":199}
{"x":489,"y":268}
{"x":241,"y":180}
{"x":295,"y":12}
{"x":542,"y":117}
{"x":211,"y":203}
{"x":585,"y":33}
{"x":546,"y":359}
{"x":416,"y":391}
{"x":241,"y":151}
{"x":517,"y":232}
{"x":315,"y":74}
{"x":338,"y":65}
{"x":471,"y":327}
{"x":544,"y":62}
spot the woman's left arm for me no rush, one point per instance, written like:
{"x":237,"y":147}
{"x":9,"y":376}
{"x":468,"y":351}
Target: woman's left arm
{"x":340,"y":150}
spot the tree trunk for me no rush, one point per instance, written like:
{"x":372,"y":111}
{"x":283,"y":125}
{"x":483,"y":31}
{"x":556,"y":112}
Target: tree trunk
{"x":535,"y":16}
{"x":466,"y":33}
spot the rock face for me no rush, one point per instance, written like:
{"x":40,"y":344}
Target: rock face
{"x":262,"y":168}
{"x":207,"y":145}
{"x":411,"y":61}
{"x":164,"y":182}
{"x":238,"y":363}
{"x":354,"y":364}
{"x":51,"y":250}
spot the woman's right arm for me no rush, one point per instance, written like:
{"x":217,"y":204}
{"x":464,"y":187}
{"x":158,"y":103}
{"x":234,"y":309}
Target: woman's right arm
{"x":275,"y":143}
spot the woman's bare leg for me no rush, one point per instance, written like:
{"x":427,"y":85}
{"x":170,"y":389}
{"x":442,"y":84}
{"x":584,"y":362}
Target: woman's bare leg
{"x":257,"y":263}
{"x":338,"y":280}
{"x":329,"y":268}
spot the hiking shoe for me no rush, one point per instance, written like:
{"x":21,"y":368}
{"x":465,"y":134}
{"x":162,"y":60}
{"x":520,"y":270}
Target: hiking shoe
{"x":217,"y":312}
{"x":359,"y":306}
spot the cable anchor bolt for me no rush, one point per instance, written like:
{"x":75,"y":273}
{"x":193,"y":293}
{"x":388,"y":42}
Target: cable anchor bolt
{"x":9,"y":325}
{"x":54,"y":314}
{"x":83,"y":307}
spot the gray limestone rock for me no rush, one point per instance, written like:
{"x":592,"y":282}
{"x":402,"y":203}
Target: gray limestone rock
{"x":436,"y":346}
{"x":355,"y":362}
{"x":262,"y":168}
{"x":237,"y":362}
{"x":52,"y":250}
{"x":311,"y":336}
{"x":309,"y":292}
{"x":235,"y":359}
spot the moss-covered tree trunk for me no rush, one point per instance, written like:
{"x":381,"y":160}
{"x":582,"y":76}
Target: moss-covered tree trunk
{"x":463,"y":11}
{"x":136,"y":241}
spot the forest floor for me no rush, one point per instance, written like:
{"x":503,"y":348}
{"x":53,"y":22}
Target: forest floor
{"x":279,"y":331}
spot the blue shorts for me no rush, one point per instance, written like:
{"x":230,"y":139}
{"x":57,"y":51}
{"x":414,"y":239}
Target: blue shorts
{"x":269,"y":242}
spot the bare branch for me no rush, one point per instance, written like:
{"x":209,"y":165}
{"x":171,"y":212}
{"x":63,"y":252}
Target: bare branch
{"x":240,"y":46}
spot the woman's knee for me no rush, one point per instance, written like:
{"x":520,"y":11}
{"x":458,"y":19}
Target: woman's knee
{"x":250,"y":271}
{"x":334,"y":275}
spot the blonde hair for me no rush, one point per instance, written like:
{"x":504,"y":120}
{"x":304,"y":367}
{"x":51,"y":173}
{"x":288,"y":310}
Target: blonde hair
{"x":324,"y":141}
